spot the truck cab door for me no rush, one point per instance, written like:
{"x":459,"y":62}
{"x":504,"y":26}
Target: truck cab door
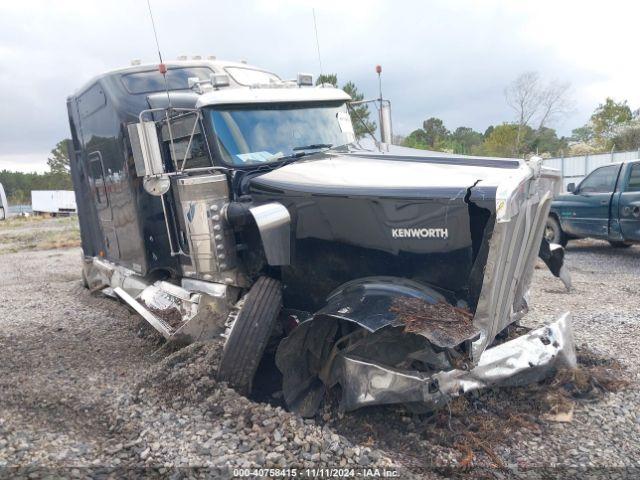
{"x":588,"y":213}
{"x":629,"y":204}
{"x":100,"y":190}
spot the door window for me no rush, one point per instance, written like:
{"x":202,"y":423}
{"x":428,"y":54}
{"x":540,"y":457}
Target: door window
{"x":602,"y":180}
{"x":634,"y":178}
{"x":99,"y":186}
{"x":97,"y":178}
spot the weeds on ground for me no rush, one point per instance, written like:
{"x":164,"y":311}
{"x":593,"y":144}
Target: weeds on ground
{"x":481,"y":423}
{"x":20,"y":220}
{"x":31,"y":233}
{"x":478,"y":422}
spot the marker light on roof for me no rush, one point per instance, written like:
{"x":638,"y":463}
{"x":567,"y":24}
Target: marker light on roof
{"x":219,"y":80}
{"x":162,"y":68}
{"x":305,"y":79}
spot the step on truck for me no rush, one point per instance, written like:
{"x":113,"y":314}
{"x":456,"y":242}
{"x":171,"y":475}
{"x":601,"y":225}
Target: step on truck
{"x":218,"y":200}
{"x":605,"y":205}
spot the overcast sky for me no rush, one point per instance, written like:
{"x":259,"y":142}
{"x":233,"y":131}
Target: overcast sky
{"x":449,"y":59}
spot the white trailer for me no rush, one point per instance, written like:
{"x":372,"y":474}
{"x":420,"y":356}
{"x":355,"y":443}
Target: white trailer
{"x":4,"y":206}
{"x":56,"y":202}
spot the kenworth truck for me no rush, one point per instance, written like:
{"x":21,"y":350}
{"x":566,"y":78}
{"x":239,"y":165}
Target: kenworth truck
{"x":217,"y":199}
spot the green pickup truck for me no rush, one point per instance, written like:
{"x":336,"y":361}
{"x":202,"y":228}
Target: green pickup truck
{"x":605,"y":205}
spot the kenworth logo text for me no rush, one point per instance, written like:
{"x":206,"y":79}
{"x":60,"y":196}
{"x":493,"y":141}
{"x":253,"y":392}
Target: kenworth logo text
{"x":420,"y":232}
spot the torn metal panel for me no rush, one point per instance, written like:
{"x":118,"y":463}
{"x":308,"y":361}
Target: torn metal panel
{"x":300,"y":357}
{"x":173,"y":304}
{"x":156,"y":322}
{"x":523,"y":360}
{"x":209,"y":320}
{"x":521,"y":214}
{"x":197,"y":310}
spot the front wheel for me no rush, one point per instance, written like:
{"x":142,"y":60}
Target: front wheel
{"x":250,"y":334}
{"x":617,"y":244}
{"x":553,"y":232}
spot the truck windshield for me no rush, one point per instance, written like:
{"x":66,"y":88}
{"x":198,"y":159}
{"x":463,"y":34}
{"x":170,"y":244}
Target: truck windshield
{"x":258,"y":134}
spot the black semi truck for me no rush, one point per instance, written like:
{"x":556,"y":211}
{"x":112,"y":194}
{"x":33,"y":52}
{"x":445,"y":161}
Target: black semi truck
{"x":217,"y":199}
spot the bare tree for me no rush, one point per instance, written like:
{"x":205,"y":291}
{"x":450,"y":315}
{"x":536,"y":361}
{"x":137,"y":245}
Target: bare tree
{"x":523,"y":96}
{"x":554,"y":101}
{"x":531,"y":99}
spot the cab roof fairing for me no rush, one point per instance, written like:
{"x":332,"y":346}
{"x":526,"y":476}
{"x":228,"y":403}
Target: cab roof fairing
{"x":218,"y":66}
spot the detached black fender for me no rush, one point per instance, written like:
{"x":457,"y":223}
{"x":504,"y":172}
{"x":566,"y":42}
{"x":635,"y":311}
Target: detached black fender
{"x":305,"y":356}
{"x":552,"y":255}
{"x":368,"y":301}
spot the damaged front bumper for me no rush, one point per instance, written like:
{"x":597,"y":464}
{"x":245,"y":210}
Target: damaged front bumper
{"x":525,"y":359}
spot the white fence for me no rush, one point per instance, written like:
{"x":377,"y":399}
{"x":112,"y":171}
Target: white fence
{"x":574,"y":169}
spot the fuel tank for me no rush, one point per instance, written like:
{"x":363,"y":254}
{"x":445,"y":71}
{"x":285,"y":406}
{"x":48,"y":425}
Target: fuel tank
{"x":355,"y":216}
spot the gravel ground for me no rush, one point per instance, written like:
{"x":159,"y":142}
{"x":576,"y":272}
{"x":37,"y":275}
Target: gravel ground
{"x":86,"y":389}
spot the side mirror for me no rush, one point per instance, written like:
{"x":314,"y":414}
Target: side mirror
{"x":571,"y":188}
{"x":146,"y":148}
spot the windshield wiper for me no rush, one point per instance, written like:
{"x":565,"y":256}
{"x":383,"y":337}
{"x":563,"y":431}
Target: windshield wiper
{"x":313,"y":146}
{"x":298,"y":152}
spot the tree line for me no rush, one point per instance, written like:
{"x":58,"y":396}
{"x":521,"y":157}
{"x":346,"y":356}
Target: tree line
{"x":536,"y":106}
{"x":18,"y":185}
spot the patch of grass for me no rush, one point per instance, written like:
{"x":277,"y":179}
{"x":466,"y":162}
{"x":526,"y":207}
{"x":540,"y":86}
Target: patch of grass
{"x":36,"y":220}
{"x":38,"y":233}
{"x":22,"y":221}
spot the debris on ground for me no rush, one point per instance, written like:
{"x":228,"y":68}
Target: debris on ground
{"x":474,"y":424}
{"x":441,"y":323}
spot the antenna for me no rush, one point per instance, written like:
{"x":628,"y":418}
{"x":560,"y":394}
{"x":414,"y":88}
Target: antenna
{"x":315,"y":27}
{"x":162,"y":68}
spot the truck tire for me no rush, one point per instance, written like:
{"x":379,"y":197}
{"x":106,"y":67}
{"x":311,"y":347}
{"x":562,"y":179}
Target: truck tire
{"x":2,"y":214}
{"x":553,"y":232}
{"x":617,"y":244}
{"x":250,"y":334}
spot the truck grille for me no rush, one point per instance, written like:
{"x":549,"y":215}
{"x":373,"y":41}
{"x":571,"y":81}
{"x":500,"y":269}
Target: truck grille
{"x":513,"y":250}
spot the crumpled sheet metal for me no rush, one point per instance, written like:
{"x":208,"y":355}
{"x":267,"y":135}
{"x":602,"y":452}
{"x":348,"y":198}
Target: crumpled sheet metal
{"x":520,"y":361}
